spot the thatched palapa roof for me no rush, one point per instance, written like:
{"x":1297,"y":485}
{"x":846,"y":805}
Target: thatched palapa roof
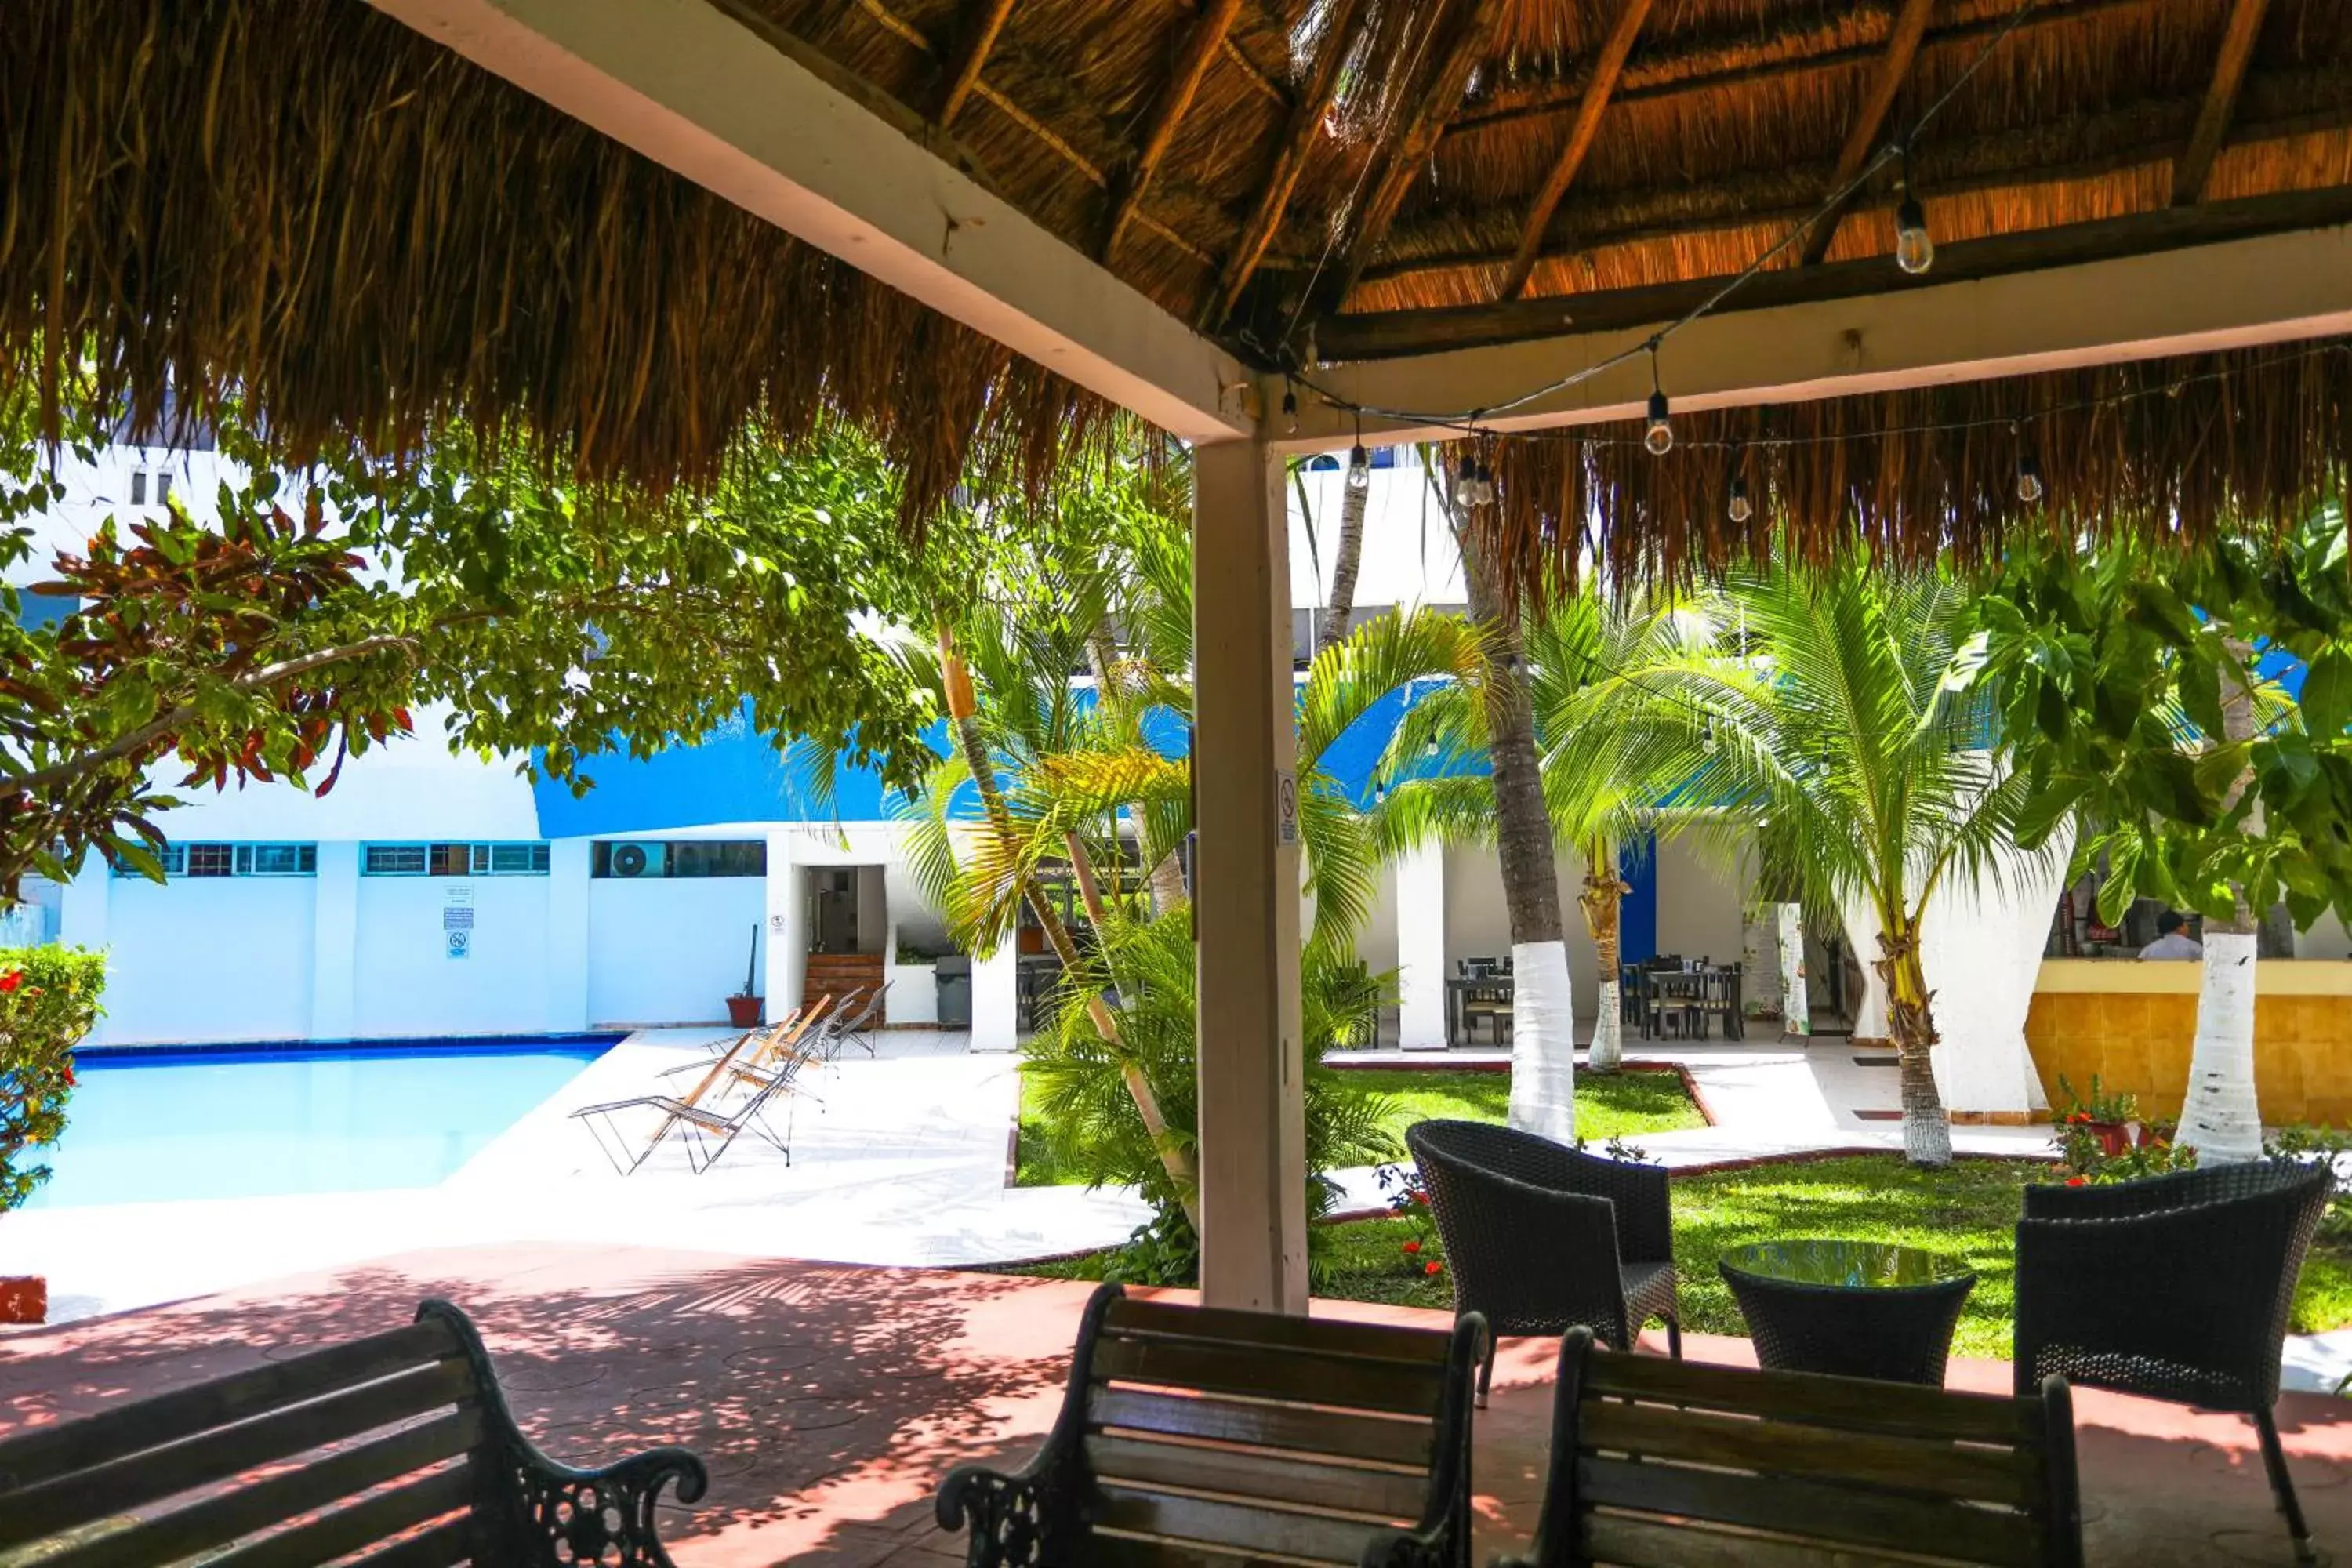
{"x":306,"y":199}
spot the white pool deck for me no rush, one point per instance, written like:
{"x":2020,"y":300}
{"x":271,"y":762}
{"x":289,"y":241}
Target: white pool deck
{"x":905,"y":1161}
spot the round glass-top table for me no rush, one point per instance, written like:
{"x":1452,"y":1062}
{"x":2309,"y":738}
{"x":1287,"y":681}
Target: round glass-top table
{"x":1852,"y":1309}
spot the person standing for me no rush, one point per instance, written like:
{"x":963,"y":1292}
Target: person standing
{"x":2172,"y":939}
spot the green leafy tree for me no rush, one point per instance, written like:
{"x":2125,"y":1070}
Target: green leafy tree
{"x":1148,"y":967}
{"x":48,"y":1001}
{"x":2133,"y":698}
{"x":309,"y":621}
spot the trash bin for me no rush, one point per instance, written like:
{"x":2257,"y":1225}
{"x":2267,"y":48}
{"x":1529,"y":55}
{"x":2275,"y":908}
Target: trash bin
{"x":953,"y":977}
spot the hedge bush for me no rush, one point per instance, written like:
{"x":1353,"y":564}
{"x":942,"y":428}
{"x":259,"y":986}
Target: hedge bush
{"x":48,"y":1000}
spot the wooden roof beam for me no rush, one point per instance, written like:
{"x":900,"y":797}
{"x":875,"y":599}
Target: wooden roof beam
{"x":1606,"y":69}
{"x":2221,"y":106}
{"x":2134,"y":137}
{"x":1472,"y":35}
{"x":1387,"y":335}
{"x":1739,"y":58}
{"x":983,"y":21}
{"x":1205,"y":37}
{"x":1314,"y":96}
{"x":1894,"y":69}
{"x":2268,"y":288}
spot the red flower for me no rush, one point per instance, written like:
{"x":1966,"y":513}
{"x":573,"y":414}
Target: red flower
{"x":1420,"y":1197}
{"x":2077,"y":1181}
{"x":1433,"y":1267}
{"x":69,"y":1075}
{"x":10,"y":981}
{"x":1412,"y":1246}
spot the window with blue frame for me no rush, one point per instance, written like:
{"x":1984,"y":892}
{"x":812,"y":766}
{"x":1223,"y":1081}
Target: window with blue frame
{"x":218,"y":860}
{"x":513,"y":859}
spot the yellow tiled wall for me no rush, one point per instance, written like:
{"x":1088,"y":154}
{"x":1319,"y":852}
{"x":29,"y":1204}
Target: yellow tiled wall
{"x":2302,"y":1050}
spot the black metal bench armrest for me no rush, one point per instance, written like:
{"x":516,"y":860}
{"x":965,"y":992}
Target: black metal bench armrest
{"x":1441,"y":1538}
{"x":1013,"y":1519}
{"x":1031,"y":1515}
{"x":609,"y":1509}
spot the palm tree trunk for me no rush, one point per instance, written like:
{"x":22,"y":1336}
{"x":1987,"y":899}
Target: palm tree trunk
{"x":1344,"y":566}
{"x":962,"y":708}
{"x":1543,"y":1024}
{"x":1796,"y":996}
{"x":1604,"y":898}
{"x":2221,"y":1117}
{"x":1927,"y":1130}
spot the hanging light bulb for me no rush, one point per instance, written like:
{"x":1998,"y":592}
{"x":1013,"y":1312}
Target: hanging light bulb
{"x":1483,"y":485}
{"x":1659,"y":437}
{"x":2029,"y":473}
{"x":1914,"y":248}
{"x":1465,"y":480}
{"x":1360,"y":468}
{"x":1290,"y":408}
{"x":1740,"y":509}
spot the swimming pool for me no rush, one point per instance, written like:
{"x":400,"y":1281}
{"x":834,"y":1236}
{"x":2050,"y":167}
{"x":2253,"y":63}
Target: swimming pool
{"x":209,"y":1123}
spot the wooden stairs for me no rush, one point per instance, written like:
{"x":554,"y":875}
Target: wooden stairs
{"x":837,"y":974}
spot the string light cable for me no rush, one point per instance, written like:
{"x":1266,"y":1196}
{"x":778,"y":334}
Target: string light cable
{"x":1468,"y":420}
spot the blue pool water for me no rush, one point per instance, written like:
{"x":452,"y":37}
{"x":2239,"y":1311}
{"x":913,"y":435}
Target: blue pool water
{"x":151,"y":1125}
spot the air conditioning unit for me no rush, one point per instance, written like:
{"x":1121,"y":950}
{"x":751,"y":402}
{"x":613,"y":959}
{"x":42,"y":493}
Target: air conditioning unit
{"x":639,"y":859}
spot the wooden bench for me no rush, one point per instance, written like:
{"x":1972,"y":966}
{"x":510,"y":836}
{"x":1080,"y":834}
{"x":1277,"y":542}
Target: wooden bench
{"x":1192,"y":1435}
{"x":398,"y":1445}
{"x":1664,"y":1462}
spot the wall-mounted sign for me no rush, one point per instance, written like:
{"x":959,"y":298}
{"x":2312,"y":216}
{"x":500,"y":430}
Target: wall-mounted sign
{"x":457,"y":919}
{"x":1285,"y":808}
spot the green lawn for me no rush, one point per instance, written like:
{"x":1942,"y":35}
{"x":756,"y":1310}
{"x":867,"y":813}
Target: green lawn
{"x":1625,"y":1104}
{"x":1967,"y":1211}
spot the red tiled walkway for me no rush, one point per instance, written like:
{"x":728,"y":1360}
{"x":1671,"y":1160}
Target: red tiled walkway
{"x":828,"y":1401}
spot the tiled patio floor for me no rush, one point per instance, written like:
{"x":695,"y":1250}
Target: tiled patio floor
{"x":829,"y":1400}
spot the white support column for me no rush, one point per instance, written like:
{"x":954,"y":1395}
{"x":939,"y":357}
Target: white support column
{"x":83,"y":907}
{"x":1420,"y":948}
{"x":1252,"y":1118}
{"x":568,"y":861}
{"x":335,"y":943}
{"x":787,"y":932}
{"x":996,"y":1000}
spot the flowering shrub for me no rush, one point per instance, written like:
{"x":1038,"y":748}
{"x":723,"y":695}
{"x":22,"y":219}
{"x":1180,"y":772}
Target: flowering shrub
{"x":48,"y":1000}
{"x":1410,"y":1201}
{"x":2086,"y":1158}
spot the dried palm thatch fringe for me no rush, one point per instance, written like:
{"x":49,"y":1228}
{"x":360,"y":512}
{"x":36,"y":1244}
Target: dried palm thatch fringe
{"x":2163,"y":449}
{"x":367,"y":235}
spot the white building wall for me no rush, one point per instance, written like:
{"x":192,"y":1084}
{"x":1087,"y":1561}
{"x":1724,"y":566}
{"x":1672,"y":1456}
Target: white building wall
{"x":207,"y":958}
{"x":407,"y":984}
{"x":1698,"y":905}
{"x":671,"y":949}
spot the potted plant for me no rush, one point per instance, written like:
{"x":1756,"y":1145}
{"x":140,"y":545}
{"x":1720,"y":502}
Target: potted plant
{"x":743,"y":1007}
{"x":2107,"y":1119}
{"x":48,"y":1000}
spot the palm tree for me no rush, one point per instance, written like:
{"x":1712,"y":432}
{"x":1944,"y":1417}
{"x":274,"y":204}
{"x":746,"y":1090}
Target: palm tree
{"x":1592,"y":802}
{"x":1843,"y":733}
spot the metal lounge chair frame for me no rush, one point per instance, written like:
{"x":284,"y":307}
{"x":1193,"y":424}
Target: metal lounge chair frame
{"x":688,"y":1112}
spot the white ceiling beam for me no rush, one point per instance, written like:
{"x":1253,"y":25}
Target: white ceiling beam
{"x":757,"y":118}
{"x":2273,"y":289}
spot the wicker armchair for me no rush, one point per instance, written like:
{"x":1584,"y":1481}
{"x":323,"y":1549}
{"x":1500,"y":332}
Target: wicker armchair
{"x":2177,"y":1287}
{"x":1540,"y":1238}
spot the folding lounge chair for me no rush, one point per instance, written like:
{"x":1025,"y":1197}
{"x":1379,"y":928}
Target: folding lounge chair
{"x":767,"y":1045}
{"x":859,"y":1030}
{"x":687,"y":1110}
